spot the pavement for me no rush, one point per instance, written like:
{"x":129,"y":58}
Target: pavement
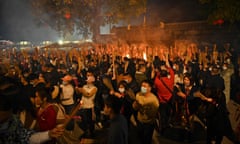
{"x":178,"y":135}
{"x":172,"y":135}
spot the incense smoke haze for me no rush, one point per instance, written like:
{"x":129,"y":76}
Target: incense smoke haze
{"x":17,"y":22}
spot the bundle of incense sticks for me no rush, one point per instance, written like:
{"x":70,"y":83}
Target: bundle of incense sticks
{"x":72,"y":114}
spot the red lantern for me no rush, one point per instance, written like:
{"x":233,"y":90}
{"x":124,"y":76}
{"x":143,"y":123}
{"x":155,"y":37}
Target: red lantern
{"x":215,"y":22}
{"x":67,"y":15}
{"x":218,"y":22}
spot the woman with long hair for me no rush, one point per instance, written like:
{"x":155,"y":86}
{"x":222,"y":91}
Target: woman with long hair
{"x":46,"y":114}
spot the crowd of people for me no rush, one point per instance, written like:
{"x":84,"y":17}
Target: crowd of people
{"x":41,"y":90}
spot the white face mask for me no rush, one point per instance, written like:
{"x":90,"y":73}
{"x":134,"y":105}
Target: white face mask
{"x":168,"y":76}
{"x":143,"y":90}
{"x":121,"y":90}
{"x":90,"y":79}
{"x":174,"y":67}
{"x":64,"y":83}
{"x":74,"y":66}
{"x":228,"y":61}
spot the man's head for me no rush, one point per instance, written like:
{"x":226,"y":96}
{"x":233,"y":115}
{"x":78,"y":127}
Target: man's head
{"x":146,"y":87}
{"x":215,"y":70}
{"x":142,"y":68}
{"x":188,"y":79}
{"x":90,"y":77}
{"x":9,"y":92}
{"x":67,"y":79}
{"x":161,"y":67}
{"x":127,"y":77}
{"x":112,"y":105}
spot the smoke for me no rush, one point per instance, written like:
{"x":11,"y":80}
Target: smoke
{"x":173,"y":11}
{"x":19,"y":24}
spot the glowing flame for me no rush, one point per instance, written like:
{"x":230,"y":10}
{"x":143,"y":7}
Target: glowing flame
{"x":144,"y":56}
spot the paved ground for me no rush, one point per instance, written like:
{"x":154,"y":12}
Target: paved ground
{"x":177,"y":136}
{"x":171,"y":136}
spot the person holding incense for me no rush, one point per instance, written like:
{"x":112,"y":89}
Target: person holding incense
{"x":11,"y":128}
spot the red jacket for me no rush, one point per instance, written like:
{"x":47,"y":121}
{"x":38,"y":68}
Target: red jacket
{"x":47,"y":119}
{"x":163,"y":93}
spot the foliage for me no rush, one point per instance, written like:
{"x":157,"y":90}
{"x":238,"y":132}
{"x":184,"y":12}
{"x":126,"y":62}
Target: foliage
{"x":85,"y":16}
{"x":227,"y":10}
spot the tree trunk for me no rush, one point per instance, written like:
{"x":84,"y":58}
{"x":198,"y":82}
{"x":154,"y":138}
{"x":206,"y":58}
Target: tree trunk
{"x":96,"y":22}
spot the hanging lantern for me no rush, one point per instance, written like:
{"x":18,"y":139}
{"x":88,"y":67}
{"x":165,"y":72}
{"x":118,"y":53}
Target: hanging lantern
{"x":215,"y":22}
{"x":218,"y":22}
{"x":67,"y":15}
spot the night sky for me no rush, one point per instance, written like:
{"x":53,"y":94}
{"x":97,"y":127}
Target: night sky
{"x":17,"y":22}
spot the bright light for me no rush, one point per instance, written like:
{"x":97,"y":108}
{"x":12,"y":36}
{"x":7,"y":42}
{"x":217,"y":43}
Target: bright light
{"x":46,"y":42}
{"x":24,"y":42}
{"x":144,"y":56}
{"x":60,"y":42}
{"x":88,"y":40}
{"x":75,"y":41}
{"x":127,"y":55}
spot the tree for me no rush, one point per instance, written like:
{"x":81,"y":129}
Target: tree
{"x":86,"y":16}
{"x":223,"y":11}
